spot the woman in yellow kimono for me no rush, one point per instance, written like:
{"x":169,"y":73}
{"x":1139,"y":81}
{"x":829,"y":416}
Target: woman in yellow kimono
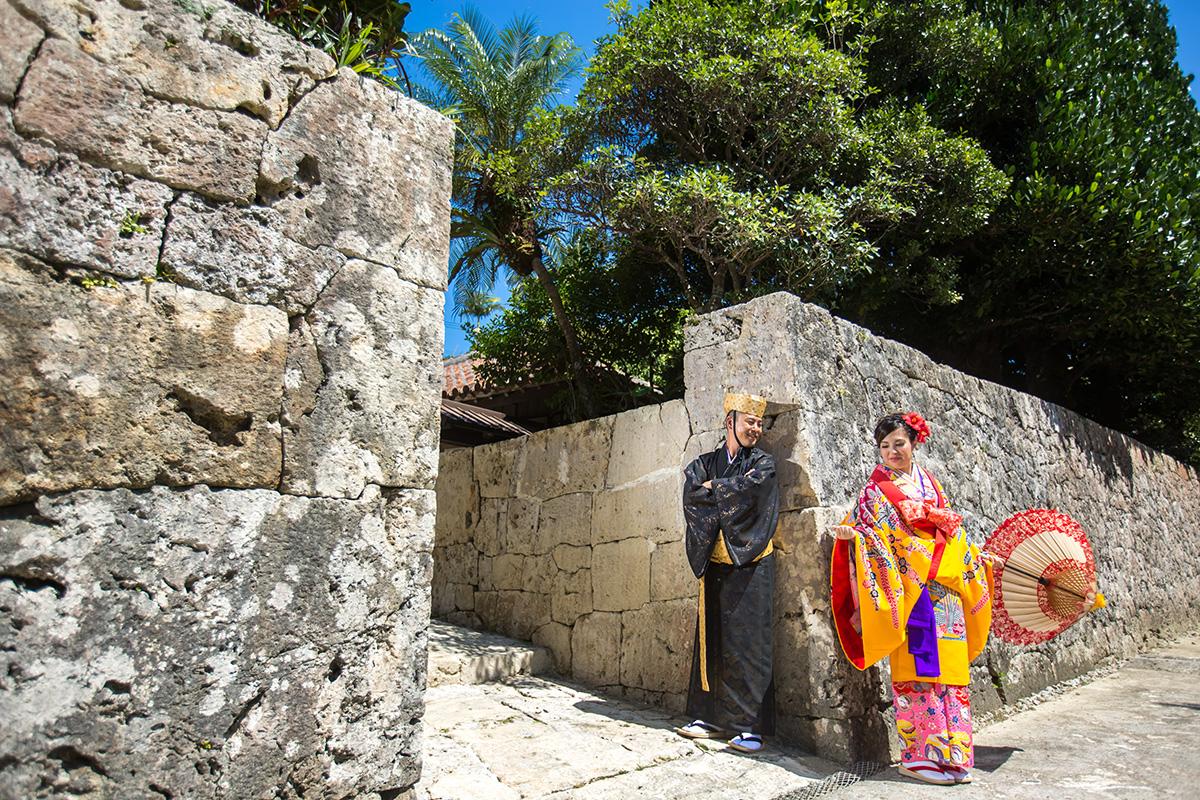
{"x":907,"y":585}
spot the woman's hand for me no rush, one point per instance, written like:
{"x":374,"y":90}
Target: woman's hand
{"x":991,"y":558}
{"x":844,"y":532}
{"x":707,"y":485}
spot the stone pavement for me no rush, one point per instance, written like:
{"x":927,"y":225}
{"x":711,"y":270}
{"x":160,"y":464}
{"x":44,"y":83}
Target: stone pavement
{"x":1133,"y":733}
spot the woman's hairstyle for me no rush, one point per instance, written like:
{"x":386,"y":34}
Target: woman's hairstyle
{"x":914,"y":425}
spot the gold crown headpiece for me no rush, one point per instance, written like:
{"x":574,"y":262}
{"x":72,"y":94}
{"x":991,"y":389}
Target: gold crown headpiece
{"x":746,"y":403}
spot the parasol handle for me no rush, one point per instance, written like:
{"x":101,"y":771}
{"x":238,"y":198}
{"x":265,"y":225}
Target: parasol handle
{"x":1050,"y":585}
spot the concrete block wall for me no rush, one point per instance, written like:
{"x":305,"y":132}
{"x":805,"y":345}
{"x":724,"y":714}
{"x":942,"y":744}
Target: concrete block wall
{"x":222,"y":266}
{"x":573,"y":537}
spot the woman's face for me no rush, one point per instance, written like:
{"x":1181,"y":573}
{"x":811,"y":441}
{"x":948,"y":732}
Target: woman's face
{"x":895,"y":450}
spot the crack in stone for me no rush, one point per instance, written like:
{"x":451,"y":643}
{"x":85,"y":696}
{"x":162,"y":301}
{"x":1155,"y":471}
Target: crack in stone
{"x":244,"y":712}
{"x":37,"y":52}
{"x":162,"y":245}
{"x":72,"y":759}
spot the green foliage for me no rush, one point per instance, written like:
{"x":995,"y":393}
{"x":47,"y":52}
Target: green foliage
{"x":94,"y":279}
{"x":366,"y":35}
{"x":629,"y":320}
{"x":131,"y":223}
{"x":1084,"y":286}
{"x":732,"y":148}
{"x":1009,"y":185}
{"x":478,"y":304}
{"x":493,"y":83}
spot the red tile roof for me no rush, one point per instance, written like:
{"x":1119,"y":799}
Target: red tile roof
{"x":459,"y":377}
{"x":461,"y":381}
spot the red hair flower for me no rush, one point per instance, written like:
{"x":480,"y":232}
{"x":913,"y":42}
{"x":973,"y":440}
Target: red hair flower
{"x":918,"y":424}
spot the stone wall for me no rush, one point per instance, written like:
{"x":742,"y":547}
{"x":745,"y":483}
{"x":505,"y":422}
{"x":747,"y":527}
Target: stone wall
{"x":571,"y":538}
{"x":222,"y":266}
{"x":542,"y":538}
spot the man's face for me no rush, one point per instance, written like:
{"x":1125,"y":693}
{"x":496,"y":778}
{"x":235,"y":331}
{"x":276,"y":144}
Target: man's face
{"x":749,"y":428}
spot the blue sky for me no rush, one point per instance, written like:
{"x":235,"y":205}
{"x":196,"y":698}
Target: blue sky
{"x":587,"y":20}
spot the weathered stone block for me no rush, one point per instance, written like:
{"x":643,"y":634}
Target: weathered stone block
{"x":621,"y":575}
{"x":387,"y":166}
{"x":507,"y":572}
{"x":240,"y":253}
{"x":572,"y":559}
{"x":495,"y":466}
{"x":707,"y":384}
{"x":492,"y":531}
{"x":65,"y":212}
{"x":571,"y":596}
{"x":457,"y":563}
{"x":441,"y":593}
{"x":594,"y":641}
{"x":803,"y":544}
{"x":134,"y":385}
{"x":376,"y":415}
{"x":515,"y":614}
{"x":485,"y":574}
{"x":656,"y":646}
{"x":458,"y":498}
{"x":564,"y":460}
{"x":565,"y":520}
{"x":522,"y":535}
{"x":538,"y":574}
{"x":20,"y":39}
{"x":652,"y":508}
{"x":648,"y":440}
{"x":464,"y":596}
{"x":106,"y":119}
{"x":670,"y":576}
{"x":789,"y":446}
{"x":556,"y":638}
{"x":212,"y":56}
{"x":207,"y":642}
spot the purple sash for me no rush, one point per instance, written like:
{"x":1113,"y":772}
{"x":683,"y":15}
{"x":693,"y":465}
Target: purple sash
{"x":921,"y":628}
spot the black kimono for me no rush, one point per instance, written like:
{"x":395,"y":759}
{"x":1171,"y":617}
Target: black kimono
{"x":742,"y":509}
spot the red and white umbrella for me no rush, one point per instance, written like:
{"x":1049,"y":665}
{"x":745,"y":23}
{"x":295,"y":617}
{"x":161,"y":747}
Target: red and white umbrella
{"x":1048,"y":579}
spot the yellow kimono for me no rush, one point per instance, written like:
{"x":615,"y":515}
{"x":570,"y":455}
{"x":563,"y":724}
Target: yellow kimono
{"x":884,"y":571}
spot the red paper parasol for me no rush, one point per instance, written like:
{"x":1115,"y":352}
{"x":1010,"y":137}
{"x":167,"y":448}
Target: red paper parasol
{"x":1042,"y":587}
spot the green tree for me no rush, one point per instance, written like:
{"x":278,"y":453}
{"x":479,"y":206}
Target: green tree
{"x":1084,"y":287}
{"x":493,"y":84}
{"x":629,"y":320}
{"x":734,"y":147}
{"x":477,"y":305}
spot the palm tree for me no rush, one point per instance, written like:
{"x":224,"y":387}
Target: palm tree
{"x":476,"y":304}
{"x":493,"y":83}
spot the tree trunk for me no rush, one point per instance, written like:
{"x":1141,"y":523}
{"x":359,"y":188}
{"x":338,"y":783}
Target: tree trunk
{"x":560,"y":313}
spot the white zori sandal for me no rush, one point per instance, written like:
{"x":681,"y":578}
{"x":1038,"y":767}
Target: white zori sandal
{"x":959,"y":774}
{"x":702,"y":730}
{"x":746,"y":743}
{"x":926,"y":771}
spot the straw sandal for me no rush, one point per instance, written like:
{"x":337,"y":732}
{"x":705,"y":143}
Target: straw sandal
{"x":959,"y":774}
{"x":702,"y":730}
{"x":746,"y":743}
{"x":926,"y":771}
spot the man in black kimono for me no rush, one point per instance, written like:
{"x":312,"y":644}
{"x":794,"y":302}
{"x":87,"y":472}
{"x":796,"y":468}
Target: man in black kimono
{"x":731,"y":505}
